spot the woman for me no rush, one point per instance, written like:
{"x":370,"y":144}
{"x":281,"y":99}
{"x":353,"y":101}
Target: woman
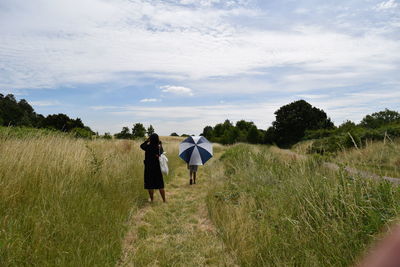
{"x":153,"y":178}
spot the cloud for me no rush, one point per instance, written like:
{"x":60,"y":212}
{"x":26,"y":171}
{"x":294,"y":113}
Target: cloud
{"x":387,"y":5}
{"x":147,"y":100}
{"x":45,"y":103}
{"x":177,"y":90}
{"x":103,"y":107}
{"x":310,"y":96}
{"x":44,"y":44}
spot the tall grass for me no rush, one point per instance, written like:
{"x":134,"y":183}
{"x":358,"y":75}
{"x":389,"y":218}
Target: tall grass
{"x":272,"y":209}
{"x":66,"y":201}
{"x":380,"y":157}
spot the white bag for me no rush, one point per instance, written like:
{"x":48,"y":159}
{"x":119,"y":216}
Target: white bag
{"x":164,"y":163}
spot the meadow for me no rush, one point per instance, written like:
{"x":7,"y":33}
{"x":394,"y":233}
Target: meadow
{"x":278,"y":209}
{"x":66,"y":201}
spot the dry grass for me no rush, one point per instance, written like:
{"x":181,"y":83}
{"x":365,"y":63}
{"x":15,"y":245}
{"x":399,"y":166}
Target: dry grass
{"x":382,"y":158}
{"x":65,"y":201}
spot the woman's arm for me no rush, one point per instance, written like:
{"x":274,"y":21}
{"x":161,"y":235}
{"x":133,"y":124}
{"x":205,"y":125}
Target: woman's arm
{"x":145,"y":145}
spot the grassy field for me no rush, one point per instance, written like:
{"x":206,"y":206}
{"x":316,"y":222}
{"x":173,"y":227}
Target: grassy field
{"x":274,"y":209}
{"x":66,"y":201}
{"x":76,"y":202}
{"x":379,"y":157}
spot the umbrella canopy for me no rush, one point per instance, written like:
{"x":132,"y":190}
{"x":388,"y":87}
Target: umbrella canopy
{"x":195,"y":150}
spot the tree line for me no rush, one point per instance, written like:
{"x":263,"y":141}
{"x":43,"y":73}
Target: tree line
{"x":21,"y":113}
{"x":299,"y":121}
{"x":138,"y":131}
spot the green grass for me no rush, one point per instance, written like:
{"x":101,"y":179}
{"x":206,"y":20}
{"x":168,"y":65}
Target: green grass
{"x":378,"y":157}
{"x":177,"y":233}
{"x":26,"y":132}
{"x":275,"y":210}
{"x":66,"y":201}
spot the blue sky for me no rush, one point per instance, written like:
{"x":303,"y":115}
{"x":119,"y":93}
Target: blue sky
{"x":183,"y":64}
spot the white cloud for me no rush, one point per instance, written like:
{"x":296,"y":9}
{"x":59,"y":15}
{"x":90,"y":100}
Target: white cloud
{"x":103,"y":107}
{"x":387,"y":5}
{"x":46,"y":44}
{"x":147,"y":100}
{"x":45,"y":103}
{"x":301,"y":11}
{"x":310,"y":96}
{"x":178,"y":90}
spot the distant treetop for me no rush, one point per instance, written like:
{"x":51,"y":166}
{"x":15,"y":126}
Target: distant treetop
{"x":13,"y":113}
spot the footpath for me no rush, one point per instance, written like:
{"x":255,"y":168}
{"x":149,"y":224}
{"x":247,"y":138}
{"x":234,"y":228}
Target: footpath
{"x":176,"y":233}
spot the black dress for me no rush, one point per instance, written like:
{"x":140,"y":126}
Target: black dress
{"x":153,"y":178}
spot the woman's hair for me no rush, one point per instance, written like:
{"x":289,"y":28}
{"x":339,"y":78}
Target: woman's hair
{"x":154,"y":140}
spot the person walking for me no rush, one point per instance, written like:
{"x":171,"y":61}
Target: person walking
{"x":153,"y":178}
{"x":192,"y":173}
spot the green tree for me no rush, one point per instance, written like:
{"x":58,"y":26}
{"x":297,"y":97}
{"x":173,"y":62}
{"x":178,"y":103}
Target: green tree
{"x":292,"y":120}
{"x":107,"y":136}
{"x":253,"y":135}
{"x":347,"y":126}
{"x":270,"y":136}
{"x":62,"y":122}
{"x":208,"y":132}
{"x":174,"y":134}
{"x":245,"y":126}
{"x":150,"y":130}
{"x":230,"y":136}
{"x":138,"y":130}
{"x":81,"y":133}
{"x":378,"y":119}
{"x":124,"y":134}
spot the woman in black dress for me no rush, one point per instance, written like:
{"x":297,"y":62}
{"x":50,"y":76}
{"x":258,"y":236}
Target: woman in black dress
{"x":153,"y":178}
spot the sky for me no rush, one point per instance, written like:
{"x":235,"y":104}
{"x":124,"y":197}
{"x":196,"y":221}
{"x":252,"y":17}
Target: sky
{"x":181,"y":65}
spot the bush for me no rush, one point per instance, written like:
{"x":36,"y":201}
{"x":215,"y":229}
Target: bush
{"x":358,"y":136}
{"x":81,"y":133}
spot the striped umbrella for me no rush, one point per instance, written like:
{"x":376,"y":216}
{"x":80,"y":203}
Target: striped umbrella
{"x":195,"y":150}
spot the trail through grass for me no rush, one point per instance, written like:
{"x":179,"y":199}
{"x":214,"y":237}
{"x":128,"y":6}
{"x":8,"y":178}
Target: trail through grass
{"x":176,"y":233}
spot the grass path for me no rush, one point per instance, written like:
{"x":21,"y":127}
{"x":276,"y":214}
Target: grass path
{"x":176,"y":233}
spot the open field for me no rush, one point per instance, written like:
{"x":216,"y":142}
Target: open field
{"x":76,"y":202}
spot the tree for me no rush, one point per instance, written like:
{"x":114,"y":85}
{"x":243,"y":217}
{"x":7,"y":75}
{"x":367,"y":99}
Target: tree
{"x":245,"y":126}
{"x":230,"y":136}
{"x":22,"y":114}
{"x":150,"y":130}
{"x":138,"y":130}
{"x":208,"y":132}
{"x":174,"y":134}
{"x":107,"y":136}
{"x":292,"y":120}
{"x":81,"y":133}
{"x":253,"y":135}
{"x":378,"y":119}
{"x":270,"y":136}
{"x":347,"y":126}
{"x":124,"y":134}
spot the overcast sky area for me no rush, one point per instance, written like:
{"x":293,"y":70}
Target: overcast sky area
{"x":181,"y":65}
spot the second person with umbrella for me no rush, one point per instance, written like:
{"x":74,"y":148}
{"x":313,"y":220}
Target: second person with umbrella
{"x":195,"y":151}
